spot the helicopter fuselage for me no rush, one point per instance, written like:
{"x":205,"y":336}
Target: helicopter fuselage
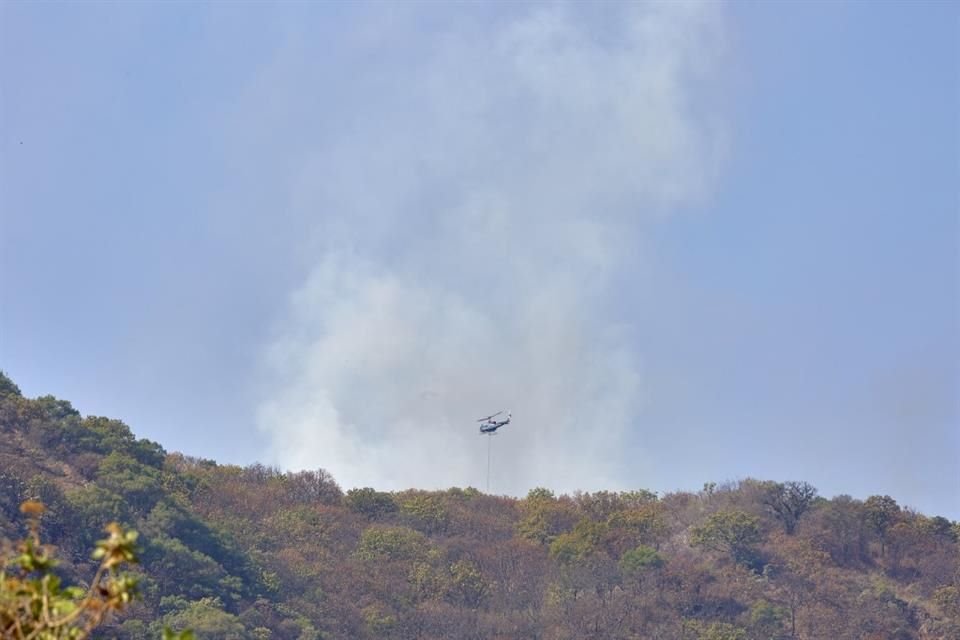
{"x":491,"y":427}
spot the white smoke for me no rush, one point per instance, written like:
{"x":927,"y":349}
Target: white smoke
{"x":470,"y":230}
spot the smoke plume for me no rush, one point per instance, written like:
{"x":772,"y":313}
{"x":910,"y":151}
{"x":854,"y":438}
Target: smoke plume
{"x":477,"y":221}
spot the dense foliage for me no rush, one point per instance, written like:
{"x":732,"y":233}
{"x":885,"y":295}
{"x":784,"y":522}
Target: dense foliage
{"x":253,"y":553}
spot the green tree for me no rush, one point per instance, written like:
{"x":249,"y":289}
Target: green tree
{"x":644,"y":524}
{"x":371,"y":503}
{"x":545,"y":517}
{"x":579,"y":544}
{"x":766,"y":619}
{"x":540,"y":494}
{"x":467,"y":586}
{"x":8,"y":387}
{"x":939,"y":527}
{"x":717,"y":631}
{"x":735,"y":533}
{"x":426,"y":512}
{"x":636,"y":563}
{"x":140,"y":485}
{"x":181,"y":570}
{"x":391,"y":543}
{"x":92,"y":505}
{"x":882,"y":512}
{"x":640,"y":559}
{"x":207,"y":618}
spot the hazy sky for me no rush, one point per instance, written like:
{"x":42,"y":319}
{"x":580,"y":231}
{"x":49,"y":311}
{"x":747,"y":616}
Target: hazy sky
{"x":681,"y":242}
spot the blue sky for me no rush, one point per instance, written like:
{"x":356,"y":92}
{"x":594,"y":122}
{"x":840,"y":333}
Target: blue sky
{"x":684,"y":243}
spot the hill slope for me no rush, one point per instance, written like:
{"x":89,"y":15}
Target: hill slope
{"x":255,"y":553}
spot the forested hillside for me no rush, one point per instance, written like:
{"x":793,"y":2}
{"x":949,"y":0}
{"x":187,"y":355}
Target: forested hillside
{"x":252,"y":552}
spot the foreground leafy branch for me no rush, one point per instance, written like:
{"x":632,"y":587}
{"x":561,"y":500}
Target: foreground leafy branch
{"x":34,"y":605}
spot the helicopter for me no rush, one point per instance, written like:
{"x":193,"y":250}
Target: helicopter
{"x":489,"y":426}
